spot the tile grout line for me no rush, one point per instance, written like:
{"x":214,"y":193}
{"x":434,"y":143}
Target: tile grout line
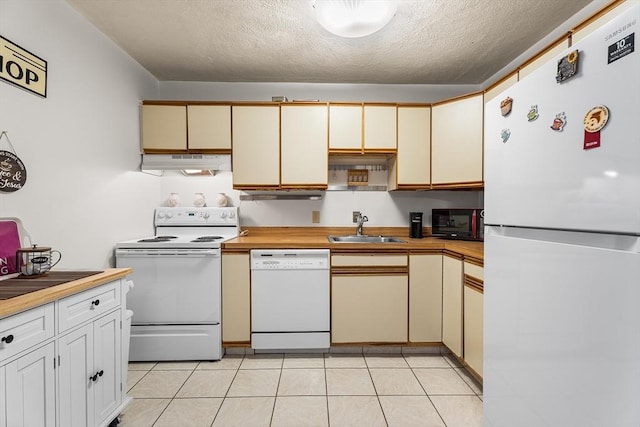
{"x":426,"y":393}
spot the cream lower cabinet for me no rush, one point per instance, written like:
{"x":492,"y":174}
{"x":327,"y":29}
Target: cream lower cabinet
{"x":473,"y":317}
{"x":256,"y":146}
{"x":236,"y":298}
{"x":369,"y":298}
{"x":304,"y":146}
{"x":28,"y":389}
{"x":425,"y":298}
{"x":452,"y":304}
{"x":457,"y":143}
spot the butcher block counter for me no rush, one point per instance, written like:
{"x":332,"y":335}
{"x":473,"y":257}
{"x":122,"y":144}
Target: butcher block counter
{"x":52,"y":287}
{"x":316,"y":238}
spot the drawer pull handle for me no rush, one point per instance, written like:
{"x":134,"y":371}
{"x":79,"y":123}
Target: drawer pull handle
{"x":95,"y":376}
{"x":8,"y":339}
{"x":96,"y":302}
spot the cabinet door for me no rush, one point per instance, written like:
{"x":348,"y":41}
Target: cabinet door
{"x":473,"y":327}
{"x":457,"y":142}
{"x":380,"y":128}
{"x":164,"y":128}
{"x":30,"y":389}
{"x":425,"y":298}
{"x":107,"y":389}
{"x":304,"y":152}
{"x":367,"y":308}
{"x":75,"y":351}
{"x":236,"y":298}
{"x":209,"y":128}
{"x":414,"y":146}
{"x":452,"y":304}
{"x":345,"y":127}
{"x":256,"y":146}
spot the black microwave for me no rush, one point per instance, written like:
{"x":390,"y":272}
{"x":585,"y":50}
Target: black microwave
{"x":462,"y":224}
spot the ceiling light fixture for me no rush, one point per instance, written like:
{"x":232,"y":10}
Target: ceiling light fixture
{"x":354,"y":18}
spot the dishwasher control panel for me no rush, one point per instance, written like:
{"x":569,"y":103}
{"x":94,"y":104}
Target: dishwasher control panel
{"x":282,"y":259}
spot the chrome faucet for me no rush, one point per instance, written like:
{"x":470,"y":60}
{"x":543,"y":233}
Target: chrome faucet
{"x":359,"y":223}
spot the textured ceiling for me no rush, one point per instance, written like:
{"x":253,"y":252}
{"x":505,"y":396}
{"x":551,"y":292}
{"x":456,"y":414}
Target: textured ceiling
{"x":427,"y":42}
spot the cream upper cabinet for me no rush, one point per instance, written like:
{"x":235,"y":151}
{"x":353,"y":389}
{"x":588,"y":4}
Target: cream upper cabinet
{"x":457,"y":143}
{"x":345,"y":127}
{"x":164,"y":128}
{"x":425,"y":303}
{"x":413,"y":160}
{"x":236,"y":298}
{"x":256,"y":146}
{"x":452,"y":304}
{"x":209,"y":127}
{"x":380,"y":128}
{"x":303,"y":145}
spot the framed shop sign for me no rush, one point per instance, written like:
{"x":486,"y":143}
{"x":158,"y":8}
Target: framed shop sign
{"x":22,"y":68}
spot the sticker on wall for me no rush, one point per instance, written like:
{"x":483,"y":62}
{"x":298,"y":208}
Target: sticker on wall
{"x":567,"y":66}
{"x":505,"y":106}
{"x":594,"y":121}
{"x":13,"y":174}
{"x":559,"y":122}
{"x":533,"y":115}
{"x":505,"y":134}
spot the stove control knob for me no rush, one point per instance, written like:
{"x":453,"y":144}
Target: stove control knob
{"x":205,"y":215}
{"x":169,"y":215}
{"x":160,"y":214}
{"x":223,"y":214}
{"x":231,"y":215}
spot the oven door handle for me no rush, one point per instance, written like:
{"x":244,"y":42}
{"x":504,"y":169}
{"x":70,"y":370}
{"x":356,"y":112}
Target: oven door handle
{"x":144,"y":253}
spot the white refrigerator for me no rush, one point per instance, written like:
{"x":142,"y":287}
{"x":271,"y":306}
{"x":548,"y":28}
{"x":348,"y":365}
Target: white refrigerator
{"x":562,"y":245}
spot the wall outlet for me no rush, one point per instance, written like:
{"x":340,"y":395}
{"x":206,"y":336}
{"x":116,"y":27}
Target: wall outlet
{"x":315,"y":217}
{"x":356,"y":214}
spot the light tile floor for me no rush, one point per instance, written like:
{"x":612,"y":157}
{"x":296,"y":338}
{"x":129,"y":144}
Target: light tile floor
{"x":298,"y":390}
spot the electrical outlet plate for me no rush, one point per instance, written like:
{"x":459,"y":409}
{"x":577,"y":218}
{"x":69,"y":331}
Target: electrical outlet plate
{"x":315,"y":217}
{"x":356,"y":214}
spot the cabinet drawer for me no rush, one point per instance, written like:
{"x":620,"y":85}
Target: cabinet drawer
{"x":24,"y":330}
{"x":87,"y":305}
{"x":474,"y":270}
{"x":369,"y":260}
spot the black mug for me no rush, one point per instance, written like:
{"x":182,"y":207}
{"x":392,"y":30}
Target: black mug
{"x":415,"y":227}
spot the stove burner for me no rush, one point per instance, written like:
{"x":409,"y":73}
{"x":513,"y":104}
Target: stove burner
{"x":157,"y":239}
{"x":204,"y":239}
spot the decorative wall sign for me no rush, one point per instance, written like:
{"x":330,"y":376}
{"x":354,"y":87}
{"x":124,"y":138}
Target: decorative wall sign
{"x":13,"y":174}
{"x":505,"y":106}
{"x":505,"y":134}
{"x":621,"y":48}
{"x":559,"y":122}
{"x":594,"y":121}
{"x":22,"y":68}
{"x":532,"y":115}
{"x":567,"y":66}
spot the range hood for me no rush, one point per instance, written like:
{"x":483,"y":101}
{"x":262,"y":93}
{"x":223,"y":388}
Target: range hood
{"x":163,"y":162}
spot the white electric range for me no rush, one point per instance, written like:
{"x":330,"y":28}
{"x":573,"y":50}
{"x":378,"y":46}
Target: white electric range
{"x":177,"y":275}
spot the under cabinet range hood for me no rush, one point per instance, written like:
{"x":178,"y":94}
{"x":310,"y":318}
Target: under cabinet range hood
{"x":163,"y":162}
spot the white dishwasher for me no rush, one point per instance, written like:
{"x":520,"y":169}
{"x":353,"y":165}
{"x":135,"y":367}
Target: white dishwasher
{"x":290,"y":299}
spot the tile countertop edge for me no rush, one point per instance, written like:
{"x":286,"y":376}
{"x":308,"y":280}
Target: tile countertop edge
{"x":316,"y":238}
{"x":43,"y":296}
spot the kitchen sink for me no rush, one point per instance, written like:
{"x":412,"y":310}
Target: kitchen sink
{"x":364,"y":239}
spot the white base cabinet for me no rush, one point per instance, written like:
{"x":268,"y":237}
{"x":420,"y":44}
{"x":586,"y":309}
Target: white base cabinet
{"x":29,"y":389}
{"x":72,"y":375}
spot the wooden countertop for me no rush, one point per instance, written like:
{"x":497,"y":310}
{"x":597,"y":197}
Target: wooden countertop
{"x":43,"y":296}
{"x":316,"y":238}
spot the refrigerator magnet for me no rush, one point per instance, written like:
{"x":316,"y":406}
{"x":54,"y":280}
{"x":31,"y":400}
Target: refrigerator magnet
{"x":567,"y":66}
{"x":532,"y":115}
{"x":505,"y":106}
{"x":559,"y":122}
{"x":594,"y":121}
{"x":505,"y":134}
